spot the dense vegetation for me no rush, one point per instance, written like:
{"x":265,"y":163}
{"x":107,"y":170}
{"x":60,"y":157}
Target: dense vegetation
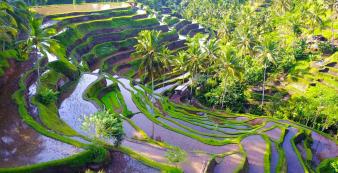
{"x":257,"y":65}
{"x":256,"y":44}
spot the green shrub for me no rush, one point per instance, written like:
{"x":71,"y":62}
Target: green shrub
{"x":175,"y":155}
{"x":326,"y":48}
{"x":65,"y":67}
{"x":300,"y":50}
{"x":47,"y":96}
{"x":328,"y":166}
{"x":106,"y":124}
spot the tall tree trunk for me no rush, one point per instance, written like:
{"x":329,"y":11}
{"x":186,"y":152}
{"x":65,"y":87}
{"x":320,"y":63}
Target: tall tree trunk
{"x":152,"y":87}
{"x":38,"y":66}
{"x":3,"y":45}
{"x":263,"y":90}
{"x":332,"y":30}
{"x":223,"y":96}
{"x":192,"y":78}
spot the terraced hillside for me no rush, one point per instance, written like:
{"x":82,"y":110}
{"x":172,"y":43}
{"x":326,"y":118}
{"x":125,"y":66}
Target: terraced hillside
{"x":98,"y":72}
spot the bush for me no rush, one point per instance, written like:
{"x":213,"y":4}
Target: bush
{"x":300,"y":50}
{"x":175,"y":155}
{"x":326,"y":48}
{"x":328,"y":166}
{"x":47,"y":96}
{"x":65,"y":67}
{"x":106,"y":124}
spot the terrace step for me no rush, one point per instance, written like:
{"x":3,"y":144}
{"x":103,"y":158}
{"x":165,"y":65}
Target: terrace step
{"x":187,"y":28}
{"x":115,"y":37}
{"x":255,"y":147}
{"x":49,"y":17}
{"x":229,"y":163}
{"x":293,"y":162}
{"x":94,"y":16}
{"x":181,"y":24}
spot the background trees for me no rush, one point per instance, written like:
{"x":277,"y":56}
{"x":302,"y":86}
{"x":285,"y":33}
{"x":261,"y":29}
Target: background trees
{"x":150,"y":49}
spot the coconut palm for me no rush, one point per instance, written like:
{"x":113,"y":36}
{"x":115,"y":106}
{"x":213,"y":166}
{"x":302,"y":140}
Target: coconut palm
{"x":245,"y":41}
{"x":211,"y":52}
{"x":267,"y":53}
{"x":193,"y":58}
{"x":165,"y":56}
{"x":149,"y":48}
{"x":332,"y":5}
{"x":228,"y":67}
{"x":39,"y":41}
{"x":8,"y":28}
{"x":315,"y":12}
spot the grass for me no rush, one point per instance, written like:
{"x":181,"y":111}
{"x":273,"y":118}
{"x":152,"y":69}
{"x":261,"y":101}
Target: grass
{"x":92,"y":154}
{"x":163,"y":167}
{"x":19,"y":98}
{"x":293,"y":140}
{"x":267,"y":155}
{"x":79,"y":30}
{"x":49,"y":117}
{"x":328,"y":166}
{"x":114,"y":100}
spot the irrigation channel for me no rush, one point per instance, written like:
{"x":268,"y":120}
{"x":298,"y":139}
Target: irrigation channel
{"x":50,"y":138}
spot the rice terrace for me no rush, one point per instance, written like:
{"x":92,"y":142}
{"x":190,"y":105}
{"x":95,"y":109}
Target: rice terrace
{"x":147,"y":86}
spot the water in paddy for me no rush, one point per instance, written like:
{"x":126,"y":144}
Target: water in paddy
{"x":274,"y":157}
{"x":255,"y":147}
{"x":294,"y":165}
{"x":189,"y":144}
{"x":19,"y":143}
{"x":74,"y":108}
{"x":69,"y":8}
{"x":228,"y":164}
{"x":323,"y":148}
{"x":122,"y":163}
{"x":125,"y":91}
{"x":165,"y":88}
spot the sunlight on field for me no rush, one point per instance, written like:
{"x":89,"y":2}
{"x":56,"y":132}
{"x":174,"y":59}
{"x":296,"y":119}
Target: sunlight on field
{"x":68,"y":8}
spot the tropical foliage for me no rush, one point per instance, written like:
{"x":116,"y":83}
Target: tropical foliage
{"x":106,"y":124}
{"x":255,"y":44}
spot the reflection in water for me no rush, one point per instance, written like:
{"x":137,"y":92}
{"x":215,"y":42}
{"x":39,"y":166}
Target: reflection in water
{"x":74,"y":107}
{"x":127,"y":95}
{"x":173,"y":138}
{"x":19,"y":143}
{"x":255,"y":147}
{"x":228,"y":163}
{"x":69,"y":8}
{"x":323,"y":148}
{"x":294,"y":166}
{"x":122,"y":163}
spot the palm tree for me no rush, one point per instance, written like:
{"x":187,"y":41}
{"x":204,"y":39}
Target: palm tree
{"x":150,"y":48}
{"x":8,"y":28}
{"x":193,"y":58}
{"x":245,"y":41}
{"x":179,"y":62}
{"x":315,"y":13}
{"x":211,"y":52}
{"x":282,"y":6}
{"x":165,"y":56}
{"x":228,"y":67}
{"x":39,"y":40}
{"x":332,"y":5}
{"x":267,"y":53}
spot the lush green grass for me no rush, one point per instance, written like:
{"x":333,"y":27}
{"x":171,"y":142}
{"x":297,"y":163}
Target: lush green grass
{"x":4,"y":57}
{"x":163,"y":167}
{"x":77,"y":31}
{"x":19,"y":97}
{"x":92,"y":154}
{"x":49,"y":117}
{"x":328,"y":166}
